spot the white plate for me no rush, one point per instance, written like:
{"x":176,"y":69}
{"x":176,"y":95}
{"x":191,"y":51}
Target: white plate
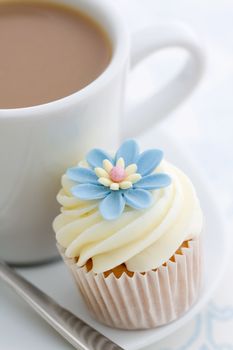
{"x":21,"y":328}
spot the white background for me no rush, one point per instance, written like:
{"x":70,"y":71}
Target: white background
{"x":204,"y":123}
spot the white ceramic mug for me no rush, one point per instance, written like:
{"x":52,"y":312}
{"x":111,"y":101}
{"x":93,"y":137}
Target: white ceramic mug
{"x":38,"y":143}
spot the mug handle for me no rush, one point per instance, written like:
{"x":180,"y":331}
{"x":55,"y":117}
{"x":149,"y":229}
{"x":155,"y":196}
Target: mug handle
{"x":150,"y":40}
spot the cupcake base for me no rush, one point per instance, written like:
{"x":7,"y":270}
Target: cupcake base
{"x":142,"y":300}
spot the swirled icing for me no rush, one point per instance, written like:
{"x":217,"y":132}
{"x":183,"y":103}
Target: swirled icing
{"x":143,"y":240}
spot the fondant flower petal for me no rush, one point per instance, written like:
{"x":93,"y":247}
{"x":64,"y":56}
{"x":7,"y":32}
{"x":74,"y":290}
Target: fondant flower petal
{"x":131,"y":169}
{"x":148,"y":161}
{"x":107,"y":165}
{"x":115,"y":186}
{"x":96,"y":156}
{"x":124,"y":185}
{"x":104,"y":181}
{"x":82,"y":175}
{"x":153,"y":182}
{"x":112,"y":206}
{"x":133,"y":178}
{"x":138,"y":198}
{"x":120,"y":163}
{"x":90,"y":191}
{"x":129,"y":151}
{"x":100,"y":172}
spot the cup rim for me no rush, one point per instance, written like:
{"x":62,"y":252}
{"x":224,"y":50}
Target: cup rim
{"x":119,"y":56}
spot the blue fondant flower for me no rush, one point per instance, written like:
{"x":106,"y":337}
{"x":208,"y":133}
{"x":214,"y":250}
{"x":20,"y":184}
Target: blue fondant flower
{"x":126,"y":179}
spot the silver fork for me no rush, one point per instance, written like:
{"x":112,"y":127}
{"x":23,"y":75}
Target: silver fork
{"x":74,"y":330}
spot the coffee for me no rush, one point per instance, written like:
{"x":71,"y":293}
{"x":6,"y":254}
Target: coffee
{"x":47,"y":52}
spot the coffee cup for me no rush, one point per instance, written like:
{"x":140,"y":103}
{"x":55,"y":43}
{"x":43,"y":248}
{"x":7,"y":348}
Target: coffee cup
{"x":38,"y":143}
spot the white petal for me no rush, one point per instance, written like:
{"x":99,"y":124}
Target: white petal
{"x":131,"y":169}
{"x":104,"y":181}
{"x":121,"y":163}
{"x":124,"y":185}
{"x":114,"y":186}
{"x":107,"y":165}
{"x":100,"y":172}
{"x":133,"y":178}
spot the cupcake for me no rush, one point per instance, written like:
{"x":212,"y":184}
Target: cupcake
{"x":129,"y":231}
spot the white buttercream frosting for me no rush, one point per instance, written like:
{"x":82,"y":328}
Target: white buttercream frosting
{"x":143,"y":240}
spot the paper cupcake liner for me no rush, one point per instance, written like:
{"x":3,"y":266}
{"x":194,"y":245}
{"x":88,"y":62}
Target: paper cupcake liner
{"x":143,"y":300}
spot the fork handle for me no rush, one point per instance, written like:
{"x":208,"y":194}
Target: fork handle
{"x":74,"y":330}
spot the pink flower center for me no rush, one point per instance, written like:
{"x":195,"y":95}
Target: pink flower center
{"x":117,"y":174}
